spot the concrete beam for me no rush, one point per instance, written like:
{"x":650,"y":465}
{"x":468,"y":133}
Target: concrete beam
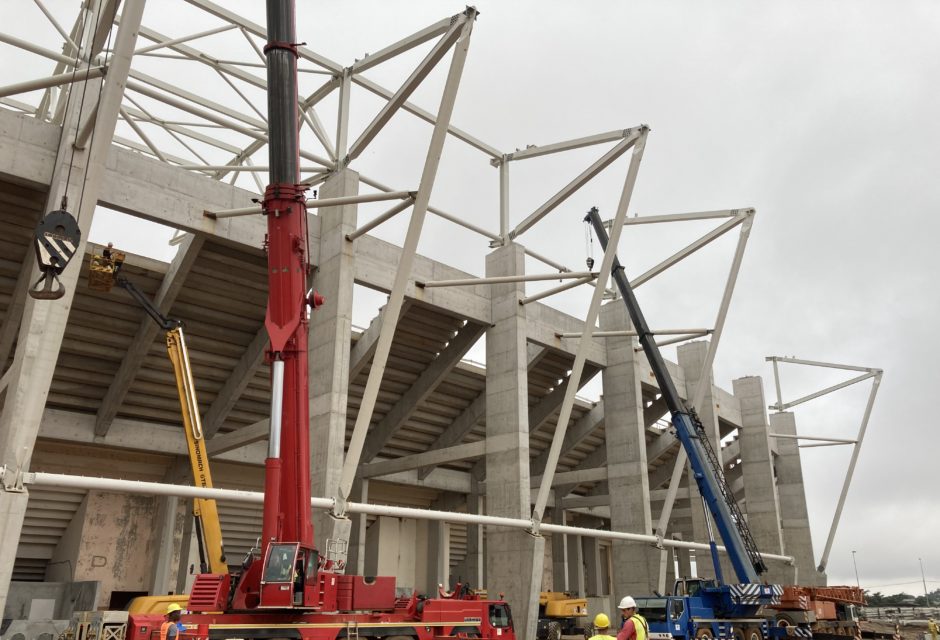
{"x":239,"y":438}
{"x":547,"y":406}
{"x":469,"y":417}
{"x":418,"y":460}
{"x":427,"y":382}
{"x":166,"y":295}
{"x":235,"y":385}
{"x":584,"y":427}
{"x":361,"y":353}
{"x":576,"y":477}
{"x":134,"y":435}
{"x":43,"y":325}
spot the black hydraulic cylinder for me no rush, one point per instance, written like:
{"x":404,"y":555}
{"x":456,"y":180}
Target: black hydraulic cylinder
{"x":281,"y":54}
{"x":647,"y":339}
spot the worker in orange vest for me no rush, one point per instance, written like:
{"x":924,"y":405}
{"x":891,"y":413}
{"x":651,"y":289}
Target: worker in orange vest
{"x":171,"y":627}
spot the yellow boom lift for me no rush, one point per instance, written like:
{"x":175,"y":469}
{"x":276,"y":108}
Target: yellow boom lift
{"x":104,"y":273}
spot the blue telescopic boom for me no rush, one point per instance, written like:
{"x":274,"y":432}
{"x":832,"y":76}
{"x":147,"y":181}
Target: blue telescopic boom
{"x":745,"y":558}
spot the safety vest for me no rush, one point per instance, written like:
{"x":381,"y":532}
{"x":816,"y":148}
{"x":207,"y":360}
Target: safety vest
{"x":602,"y":636}
{"x":642,"y":629}
{"x":165,"y":630}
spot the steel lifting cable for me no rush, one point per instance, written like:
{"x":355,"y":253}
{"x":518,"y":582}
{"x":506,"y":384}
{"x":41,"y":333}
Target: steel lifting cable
{"x":58,"y":235}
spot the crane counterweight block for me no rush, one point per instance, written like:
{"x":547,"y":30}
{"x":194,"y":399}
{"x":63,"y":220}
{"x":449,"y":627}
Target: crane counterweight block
{"x":286,"y":210}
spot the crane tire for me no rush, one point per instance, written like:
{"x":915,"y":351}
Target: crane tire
{"x":704,"y":633}
{"x":553,"y":632}
{"x":753,"y":633}
{"x":785,"y":620}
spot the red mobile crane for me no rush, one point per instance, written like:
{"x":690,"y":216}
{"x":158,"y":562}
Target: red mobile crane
{"x":288,"y":590}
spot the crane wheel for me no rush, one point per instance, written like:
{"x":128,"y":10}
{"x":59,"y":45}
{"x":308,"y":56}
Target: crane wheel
{"x":784,"y":620}
{"x":753,"y":633}
{"x":704,"y":634}
{"x":553,"y":631}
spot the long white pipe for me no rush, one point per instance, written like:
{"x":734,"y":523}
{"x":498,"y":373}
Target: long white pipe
{"x":115,"y":485}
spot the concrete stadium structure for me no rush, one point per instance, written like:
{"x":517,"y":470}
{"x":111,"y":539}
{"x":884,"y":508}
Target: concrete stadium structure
{"x":88,"y":391}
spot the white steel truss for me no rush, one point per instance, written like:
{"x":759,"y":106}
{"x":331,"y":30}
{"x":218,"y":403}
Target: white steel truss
{"x":868,"y":373}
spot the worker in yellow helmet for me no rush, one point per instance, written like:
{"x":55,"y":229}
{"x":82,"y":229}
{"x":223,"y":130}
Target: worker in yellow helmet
{"x":170,"y":629}
{"x":601,"y":628}
{"x":932,"y":628}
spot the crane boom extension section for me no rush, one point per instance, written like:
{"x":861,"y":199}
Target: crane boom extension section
{"x":706,"y":466}
{"x":206,"y":512}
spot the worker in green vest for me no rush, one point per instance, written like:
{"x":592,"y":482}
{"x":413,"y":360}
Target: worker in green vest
{"x":601,"y":628}
{"x":634,"y":625}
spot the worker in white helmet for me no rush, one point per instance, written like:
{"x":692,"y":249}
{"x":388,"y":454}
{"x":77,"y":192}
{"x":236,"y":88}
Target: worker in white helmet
{"x":601,"y":628}
{"x":634,"y":625}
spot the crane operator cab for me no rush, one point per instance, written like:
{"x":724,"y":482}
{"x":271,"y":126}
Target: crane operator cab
{"x":289,"y":577}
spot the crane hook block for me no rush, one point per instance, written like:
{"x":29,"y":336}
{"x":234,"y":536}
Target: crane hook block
{"x":56,"y":240}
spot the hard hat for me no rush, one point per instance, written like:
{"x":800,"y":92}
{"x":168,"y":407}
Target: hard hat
{"x":601,"y":621}
{"x":173,"y":607}
{"x":627,"y":603}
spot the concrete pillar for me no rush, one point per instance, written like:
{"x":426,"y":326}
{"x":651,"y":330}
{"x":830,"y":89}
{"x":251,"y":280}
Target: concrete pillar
{"x":635,"y":567}
{"x":593,"y":572}
{"x":794,"y":518}
{"x":559,"y":552}
{"x":691,"y":360}
{"x":438,"y":556}
{"x":112,"y":538}
{"x":474,"y":564}
{"x":356,"y":563}
{"x":189,"y":552}
{"x":43,"y":323}
{"x":683,"y":559}
{"x":514,"y":558}
{"x":576,"y":584}
{"x":330,"y":330}
{"x":166,"y":539}
{"x":760,"y":491}
{"x":168,"y":531}
{"x":390,"y":551}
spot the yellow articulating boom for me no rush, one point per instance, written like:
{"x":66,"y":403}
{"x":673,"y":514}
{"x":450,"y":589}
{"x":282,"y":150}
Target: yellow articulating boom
{"x":103,"y":274}
{"x":205,"y":510}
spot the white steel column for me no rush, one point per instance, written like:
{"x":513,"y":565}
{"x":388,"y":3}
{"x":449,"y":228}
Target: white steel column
{"x":330,"y":330}
{"x":43,"y":324}
{"x":403,"y":274}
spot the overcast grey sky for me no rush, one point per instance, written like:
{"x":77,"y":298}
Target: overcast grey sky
{"x":822,"y":116}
